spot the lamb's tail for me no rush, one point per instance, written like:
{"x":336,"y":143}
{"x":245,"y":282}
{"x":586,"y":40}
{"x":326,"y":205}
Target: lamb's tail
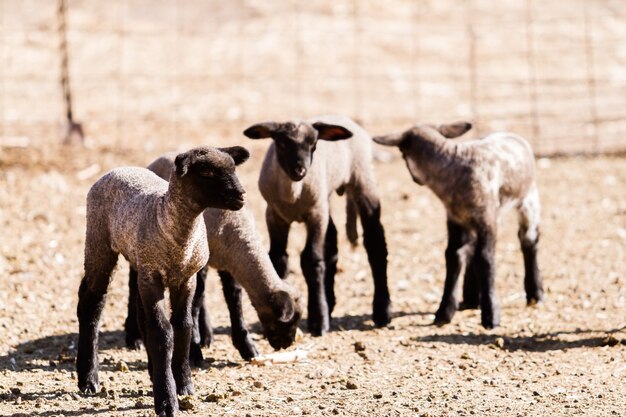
{"x":351,"y":216}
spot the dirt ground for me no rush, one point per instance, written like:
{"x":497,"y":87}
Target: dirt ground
{"x":566,"y":356}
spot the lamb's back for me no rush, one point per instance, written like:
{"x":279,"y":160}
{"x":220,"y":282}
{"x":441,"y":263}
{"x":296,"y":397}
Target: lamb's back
{"x":503,"y":163}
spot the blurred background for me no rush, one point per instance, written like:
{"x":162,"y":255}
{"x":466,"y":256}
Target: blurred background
{"x":154,"y":73}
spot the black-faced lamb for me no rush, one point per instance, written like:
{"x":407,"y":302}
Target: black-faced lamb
{"x":306,"y":163}
{"x":237,"y":252}
{"x":476,"y":181}
{"x":159,"y":229}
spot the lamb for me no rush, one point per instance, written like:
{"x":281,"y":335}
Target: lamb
{"x":297,"y":188}
{"x":476,"y":181}
{"x":159,"y":229}
{"x":232,"y":238}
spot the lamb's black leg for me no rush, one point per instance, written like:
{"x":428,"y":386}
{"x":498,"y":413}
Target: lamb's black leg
{"x":471,"y":279}
{"x":201,"y":329}
{"x":131,"y":327}
{"x":182,"y":325}
{"x":532,"y":276}
{"x":159,"y":342}
{"x":279,"y":233}
{"x":376,"y":247}
{"x":239,"y":331}
{"x":485,"y":266}
{"x":313,"y":268}
{"x":99,"y":264}
{"x":91,"y":300}
{"x":331,"y":258}
{"x":448,"y":305}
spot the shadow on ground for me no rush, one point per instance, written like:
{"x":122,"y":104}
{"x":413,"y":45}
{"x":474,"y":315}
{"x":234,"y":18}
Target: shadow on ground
{"x":58,"y":351}
{"x":542,"y":342}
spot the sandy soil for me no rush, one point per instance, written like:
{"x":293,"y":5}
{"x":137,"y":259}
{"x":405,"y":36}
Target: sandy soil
{"x":563,"y":357}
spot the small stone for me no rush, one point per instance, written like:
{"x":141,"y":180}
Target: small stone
{"x":378,"y":396}
{"x":122,"y":366}
{"x":113,"y":394}
{"x":351,"y":385}
{"x":103,"y":392}
{"x":359,"y":346}
{"x":258,"y":384}
{"x":16,"y":391}
{"x":186,"y":403}
{"x":499,"y":342}
{"x":214,"y":398}
{"x":536,"y":393}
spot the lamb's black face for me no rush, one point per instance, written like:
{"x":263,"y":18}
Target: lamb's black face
{"x":281,"y":324}
{"x":210,"y":174}
{"x":294,"y":148}
{"x":295,"y":143}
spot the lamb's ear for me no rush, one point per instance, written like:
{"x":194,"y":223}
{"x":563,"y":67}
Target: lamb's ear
{"x":392,"y":139}
{"x":454,"y":130}
{"x":283,"y":306}
{"x":331,"y":132}
{"x":182,"y":163}
{"x":261,"y":130}
{"x":238,"y":153}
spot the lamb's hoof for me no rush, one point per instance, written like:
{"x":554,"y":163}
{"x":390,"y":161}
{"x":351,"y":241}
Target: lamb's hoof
{"x":468,"y":305}
{"x":167,"y":410}
{"x":490,"y":322}
{"x":185,"y":389}
{"x":318,"y":328}
{"x":89,"y":387}
{"x":444,"y":314}
{"x":381,"y":320}
{"x":134,"y":343}
{"x":534,"y":300}
{"x":381,"y":314}
{"x":246,"y":347}
{"x":195,"y":354}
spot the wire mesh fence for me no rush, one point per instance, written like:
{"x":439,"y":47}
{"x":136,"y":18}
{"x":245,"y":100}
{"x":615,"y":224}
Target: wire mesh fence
{"x":145,"y":71}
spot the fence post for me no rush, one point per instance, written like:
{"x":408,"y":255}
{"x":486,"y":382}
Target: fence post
{"x":73,"y":131}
